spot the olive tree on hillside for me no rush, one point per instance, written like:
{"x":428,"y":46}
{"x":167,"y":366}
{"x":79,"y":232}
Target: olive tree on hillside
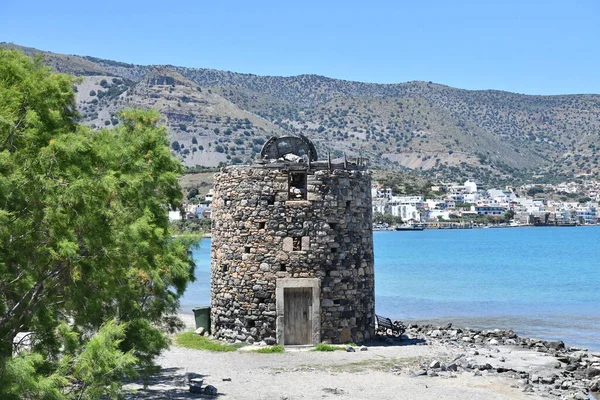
{"x":87,"y":262}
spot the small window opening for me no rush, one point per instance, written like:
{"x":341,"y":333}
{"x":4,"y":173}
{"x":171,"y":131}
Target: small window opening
{"x":336,"y":302}
{"x":282,"y":268}
{"x":297,"y":244}
{"x":348,"y":204}
{"x":269,"y":198}
{"x":247,"y":249}
{"x":297,"y":186}
{"x":333,"y":225}
{"x":261,"y":225}
{"x":224,"y":268}
{"x":333,"y":250}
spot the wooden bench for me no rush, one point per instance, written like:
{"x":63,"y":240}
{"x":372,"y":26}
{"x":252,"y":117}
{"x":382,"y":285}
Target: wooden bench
{"x":386,"y":327}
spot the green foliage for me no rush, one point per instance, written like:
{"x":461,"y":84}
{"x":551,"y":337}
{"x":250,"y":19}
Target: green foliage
{"x":326,"y":347}
{"x":270,"y":349}
{"x":386,"y":219}
{"x":535,"y":190}
{"x":199,"y":168}
{"x":191,"y":341}
{"x":92,"y":370}
{"x":84,"y":234}
{"x":192,"y":226}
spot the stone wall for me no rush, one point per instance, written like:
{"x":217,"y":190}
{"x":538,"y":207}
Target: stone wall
{"x":259,"y":236}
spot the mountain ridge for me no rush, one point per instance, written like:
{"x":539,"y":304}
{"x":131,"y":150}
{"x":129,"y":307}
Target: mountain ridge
{"x":433,"y":128}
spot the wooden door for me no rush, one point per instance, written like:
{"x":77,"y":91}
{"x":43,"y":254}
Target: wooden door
{"x":297,"y":316}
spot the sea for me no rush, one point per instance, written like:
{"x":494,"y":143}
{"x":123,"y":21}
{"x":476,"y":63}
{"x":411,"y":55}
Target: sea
{"x":541,"y":282}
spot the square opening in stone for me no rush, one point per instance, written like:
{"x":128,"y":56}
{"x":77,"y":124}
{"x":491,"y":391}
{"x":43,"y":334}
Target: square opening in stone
{"x":282,"y":268}
{"x":297,"y":186}
{"x":296,"y":243}
{"x":269,"y":198}
{"x":247,"y":249}
{"x":261,"y":225}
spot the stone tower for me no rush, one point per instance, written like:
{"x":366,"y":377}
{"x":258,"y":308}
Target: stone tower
{"x":292,"y":248}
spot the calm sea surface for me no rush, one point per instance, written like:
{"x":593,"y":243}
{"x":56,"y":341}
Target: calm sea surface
{"x":540,"y":282}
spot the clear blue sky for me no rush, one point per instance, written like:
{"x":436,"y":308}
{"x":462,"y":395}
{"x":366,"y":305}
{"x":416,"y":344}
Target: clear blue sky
{"x":534,"y":47}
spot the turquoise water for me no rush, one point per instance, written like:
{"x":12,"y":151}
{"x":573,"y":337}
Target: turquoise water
{"x":540,"y":282}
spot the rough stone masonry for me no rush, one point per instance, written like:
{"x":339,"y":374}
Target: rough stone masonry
{"x":290,"y":224}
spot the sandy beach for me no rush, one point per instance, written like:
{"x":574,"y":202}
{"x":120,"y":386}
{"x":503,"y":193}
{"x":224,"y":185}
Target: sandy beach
{"x":420,"y":365}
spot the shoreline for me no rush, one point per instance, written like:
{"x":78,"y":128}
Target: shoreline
{"x":428,"y":361}
{"x":459,"y":226}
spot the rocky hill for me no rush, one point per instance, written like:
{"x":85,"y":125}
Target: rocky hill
{"x":224,"y":117}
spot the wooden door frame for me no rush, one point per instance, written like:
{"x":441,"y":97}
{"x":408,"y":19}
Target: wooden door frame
{"x":312,"y":283}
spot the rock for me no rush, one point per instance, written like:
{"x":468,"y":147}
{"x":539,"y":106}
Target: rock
{"x":199,"y":331}
{"x":592,"y":372}
{"x":210,"y":390}
{"x":546,"y":380}
{"x":270,"y":341}
{"x":580,"y":396}
{"x":326,"y":303}
{"x":420,"y":372}
{"x":493,"y":342}
{"x":194,"y":388}
{"x":510,"y":342}
{"x":502,"y":359}
{"x":432,"y":373}
{"x":558,"y":345}
{"x":528,"y":388}
{"x":452,"y":367}
{"x":364,"y":348}
{"x":566,"y":384}
{"x":350,"y":349}
{"x":436,"y":333}
{"x":435,"y":364}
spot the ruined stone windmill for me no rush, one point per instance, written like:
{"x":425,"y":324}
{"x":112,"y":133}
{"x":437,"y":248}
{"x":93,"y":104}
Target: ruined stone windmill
{"x":292,"y":248}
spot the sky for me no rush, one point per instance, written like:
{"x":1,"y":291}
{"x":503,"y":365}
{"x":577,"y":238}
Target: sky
{"x":525,"y":46}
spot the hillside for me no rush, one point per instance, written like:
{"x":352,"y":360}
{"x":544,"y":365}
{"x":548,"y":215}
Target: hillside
{"x":219,"y":116}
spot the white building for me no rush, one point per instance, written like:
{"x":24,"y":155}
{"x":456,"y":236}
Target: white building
{"x":406,"y":207}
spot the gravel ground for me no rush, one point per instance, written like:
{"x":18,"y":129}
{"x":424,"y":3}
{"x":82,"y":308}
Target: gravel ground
{"x":384,"y":371}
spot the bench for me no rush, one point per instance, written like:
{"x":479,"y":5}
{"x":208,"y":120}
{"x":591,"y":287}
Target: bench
{"x":386,"y":327}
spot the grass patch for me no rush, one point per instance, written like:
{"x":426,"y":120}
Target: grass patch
{"x":326,"y":347}
{"x":197,"y":342}
{"x":270,"y":349}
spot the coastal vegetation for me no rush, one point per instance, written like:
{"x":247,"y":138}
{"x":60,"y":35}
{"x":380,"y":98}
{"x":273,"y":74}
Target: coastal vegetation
{"x":270,"y":349}
{"x":190,"y":340}
{"x":90,"y":273}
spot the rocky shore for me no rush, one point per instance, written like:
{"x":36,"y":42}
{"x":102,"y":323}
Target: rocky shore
{"x":546,"y":368}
